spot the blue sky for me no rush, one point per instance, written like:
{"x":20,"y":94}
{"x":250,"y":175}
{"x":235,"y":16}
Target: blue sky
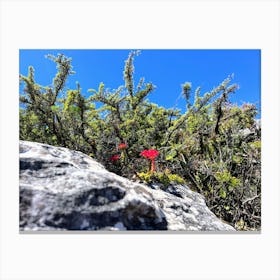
{"x":166,"y":69}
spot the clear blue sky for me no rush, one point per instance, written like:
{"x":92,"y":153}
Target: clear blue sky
{"x":166,"y":69}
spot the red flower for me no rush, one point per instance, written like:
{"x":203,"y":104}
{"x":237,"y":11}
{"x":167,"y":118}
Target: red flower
{"x":122,"y":146}
{"x":115,"y":157}
{"x":150,"y":154}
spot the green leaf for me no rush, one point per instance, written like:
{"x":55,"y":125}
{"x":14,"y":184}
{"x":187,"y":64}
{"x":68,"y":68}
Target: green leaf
{"x":222,"y":193}
{"x":170,"y":155}
{"x":55,"y":108}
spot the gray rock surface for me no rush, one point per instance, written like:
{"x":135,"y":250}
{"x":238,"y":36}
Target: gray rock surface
{"x":61,"y":189}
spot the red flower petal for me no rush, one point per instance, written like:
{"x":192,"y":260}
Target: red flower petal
{"x":115,"y":157}
{"x":122,"y":146}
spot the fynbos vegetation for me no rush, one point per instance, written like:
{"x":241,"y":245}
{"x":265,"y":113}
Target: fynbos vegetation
{"x":214,"y":147}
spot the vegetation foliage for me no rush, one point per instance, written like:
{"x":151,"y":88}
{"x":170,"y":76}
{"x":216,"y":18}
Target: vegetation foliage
{"x":214,"y":147}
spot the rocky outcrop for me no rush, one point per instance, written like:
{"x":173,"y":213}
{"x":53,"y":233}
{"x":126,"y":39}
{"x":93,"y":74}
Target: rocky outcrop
{"x":61,"y":189}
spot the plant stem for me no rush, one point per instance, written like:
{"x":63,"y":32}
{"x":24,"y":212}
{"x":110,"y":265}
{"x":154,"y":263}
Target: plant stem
{"x":153,"y":167}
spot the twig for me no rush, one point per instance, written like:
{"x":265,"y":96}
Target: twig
{"x":250,"y":199}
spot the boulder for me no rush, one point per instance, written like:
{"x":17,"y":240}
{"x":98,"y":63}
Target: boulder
{"x":61,"y":189}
